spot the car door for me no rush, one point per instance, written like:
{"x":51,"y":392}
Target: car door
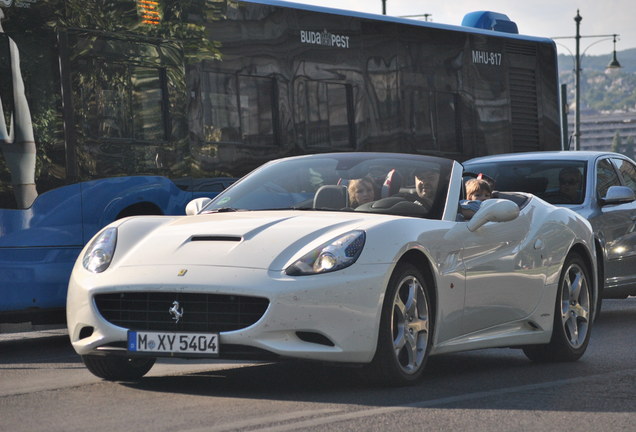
{"x":616,"y":222}
{"x":501,"y":284}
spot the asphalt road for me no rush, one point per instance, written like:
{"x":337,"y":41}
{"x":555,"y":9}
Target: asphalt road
{"x":44,"y":387}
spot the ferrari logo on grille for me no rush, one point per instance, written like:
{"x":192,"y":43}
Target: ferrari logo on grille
{"x":182,"y":272}
{"x":175,"y":312}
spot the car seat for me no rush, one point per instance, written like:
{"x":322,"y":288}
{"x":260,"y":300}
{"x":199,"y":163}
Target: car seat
{"x":331,"y":197}
{"x":392,"y":184}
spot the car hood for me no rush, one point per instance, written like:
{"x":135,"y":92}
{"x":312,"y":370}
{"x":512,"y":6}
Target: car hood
{"x":266,"y":240}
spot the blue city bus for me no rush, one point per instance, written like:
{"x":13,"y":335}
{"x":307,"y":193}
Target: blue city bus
{"x":116,"y":108}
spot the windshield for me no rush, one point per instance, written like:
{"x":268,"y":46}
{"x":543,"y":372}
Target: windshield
{"x":555,"y":181}
{"x":387,"y":183}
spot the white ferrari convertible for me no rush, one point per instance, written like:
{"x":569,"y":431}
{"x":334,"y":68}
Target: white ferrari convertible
{"x":349,"y":258}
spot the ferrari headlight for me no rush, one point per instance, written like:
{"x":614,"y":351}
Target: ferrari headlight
{"x":100,"y":252}
{"x":331,"y":256}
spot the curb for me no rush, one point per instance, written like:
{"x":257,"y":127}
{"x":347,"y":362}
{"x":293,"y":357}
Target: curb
{"x":31,"y":335}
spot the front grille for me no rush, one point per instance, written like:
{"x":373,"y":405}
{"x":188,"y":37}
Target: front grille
{"x":201,"y":312}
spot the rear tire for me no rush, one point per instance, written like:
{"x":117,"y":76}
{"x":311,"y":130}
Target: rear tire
{"x":114,"y":368}
{"x":572,"y":316}
{"x":405,"y":335}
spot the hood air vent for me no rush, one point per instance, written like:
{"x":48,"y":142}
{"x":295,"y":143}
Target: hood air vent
{"x":213,"y":238}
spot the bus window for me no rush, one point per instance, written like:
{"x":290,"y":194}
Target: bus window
{"x":121,"y":101}
{"x":317,"y":115}
{"x":257,"y":105}
{"x":220,"y":108}
{"x":239,"y":109}
{"x":323,"y":114}
{"x":421,"y":119}
{"x":447,"y":123}
{"x":338,"y":96}
{"x":435,"y":121}
{"x":383,"y":78}
{"x":147,"y":98}
{"x":107,"y":113}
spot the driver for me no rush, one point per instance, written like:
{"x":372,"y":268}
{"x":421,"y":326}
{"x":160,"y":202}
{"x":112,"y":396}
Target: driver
{"x":569,"y":191}
{"x":426,"y":182}
{"x":570,"y":184}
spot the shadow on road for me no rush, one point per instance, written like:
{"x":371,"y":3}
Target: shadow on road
{"x":559,"y":386}
{"x":494,"y":378}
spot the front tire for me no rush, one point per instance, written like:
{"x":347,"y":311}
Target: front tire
{"x":405,"y":335}
{"x":572,"y":317}
{"x":112,"y":368}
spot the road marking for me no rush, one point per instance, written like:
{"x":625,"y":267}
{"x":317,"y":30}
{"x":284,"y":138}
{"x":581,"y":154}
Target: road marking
{"x":320,"y":421}
{"x":275,"y":418}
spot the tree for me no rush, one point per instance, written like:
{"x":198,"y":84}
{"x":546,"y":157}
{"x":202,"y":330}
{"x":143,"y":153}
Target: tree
{"x":617,"y":143}
{"x":629,"y":147}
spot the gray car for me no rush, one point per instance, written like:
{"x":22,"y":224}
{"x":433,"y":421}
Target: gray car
{"x":598,"y":185}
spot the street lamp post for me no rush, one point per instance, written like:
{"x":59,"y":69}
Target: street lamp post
{"x":614,"y":64}
{"x":577,"y":84}
{"x":383,"y":7}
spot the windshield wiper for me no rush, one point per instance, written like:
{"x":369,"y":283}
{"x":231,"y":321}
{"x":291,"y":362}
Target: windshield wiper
{"x":231,"y":209}
{"x":222,"y":210}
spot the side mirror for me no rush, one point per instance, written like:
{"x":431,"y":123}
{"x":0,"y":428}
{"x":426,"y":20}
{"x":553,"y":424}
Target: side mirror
{"x":493,"y":210}
{"x":195,"y":206}
{"x":618,"y":195}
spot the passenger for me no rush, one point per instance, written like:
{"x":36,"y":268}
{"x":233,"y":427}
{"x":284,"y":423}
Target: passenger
{"x":361,"y":191}
{"x":477,"y":190}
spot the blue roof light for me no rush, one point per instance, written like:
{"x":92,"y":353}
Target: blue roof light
{"x":490,"y":21}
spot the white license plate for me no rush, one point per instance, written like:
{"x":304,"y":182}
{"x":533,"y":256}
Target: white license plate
{"x":161,"y":342}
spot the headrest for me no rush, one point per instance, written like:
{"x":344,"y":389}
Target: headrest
{"x":331,"y":197}
{"x":392,"y":184}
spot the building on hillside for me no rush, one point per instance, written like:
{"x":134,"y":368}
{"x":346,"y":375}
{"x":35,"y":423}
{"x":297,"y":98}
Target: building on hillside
{"x":598,"y":130}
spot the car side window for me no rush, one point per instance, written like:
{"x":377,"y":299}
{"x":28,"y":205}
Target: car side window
{"x":628,"y":172}
{"x":606,"y":176}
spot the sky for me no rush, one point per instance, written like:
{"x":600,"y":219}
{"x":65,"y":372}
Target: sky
{"x":544,"y":18}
